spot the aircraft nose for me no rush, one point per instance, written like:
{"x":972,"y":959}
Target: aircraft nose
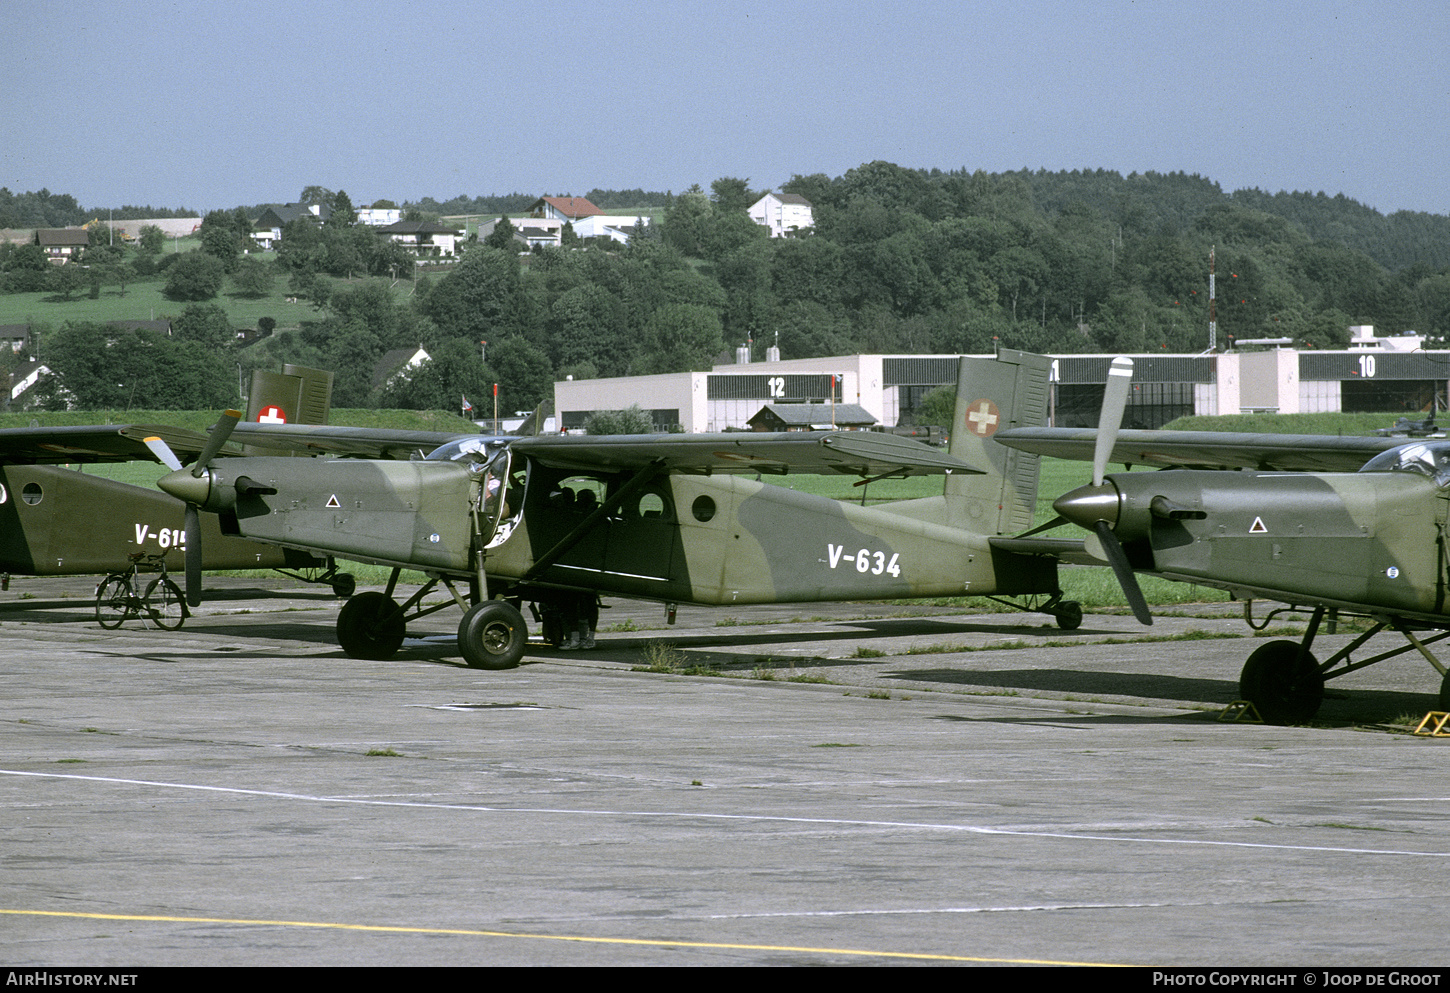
{"x":184,"y":486}
{"x":1087,"y":505}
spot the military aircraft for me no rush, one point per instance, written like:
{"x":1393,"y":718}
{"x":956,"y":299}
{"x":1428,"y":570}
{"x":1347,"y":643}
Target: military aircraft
{"x":671,"y":518}
{"x":61,"y":522}
{"x":1364,"y":533}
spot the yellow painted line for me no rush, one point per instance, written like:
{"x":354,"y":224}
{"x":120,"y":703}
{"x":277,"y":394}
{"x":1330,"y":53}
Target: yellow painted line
{"x":648,"y":942}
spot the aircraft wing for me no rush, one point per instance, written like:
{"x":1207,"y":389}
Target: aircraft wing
{"x":322,"y":439}
{"x":93,"y":443}
{"x":858,"y":453}
{"x":1213,"y":449}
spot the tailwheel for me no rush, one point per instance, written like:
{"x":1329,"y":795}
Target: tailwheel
{"x":1283,"y":683}
{"x":343,"y":585}
{"x":492,"y":635}
{"x":370,"y":626}
{"x":1068,"y":615}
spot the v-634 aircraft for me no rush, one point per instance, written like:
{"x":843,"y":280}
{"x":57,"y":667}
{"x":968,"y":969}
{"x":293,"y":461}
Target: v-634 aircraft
{"x":671,"y":518}
{"x":1364,"y":534}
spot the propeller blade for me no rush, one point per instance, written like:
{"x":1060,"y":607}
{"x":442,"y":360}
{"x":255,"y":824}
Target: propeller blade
{"x":193,"y":555}
{"x":163,"y":453}
{"x":1115,"y":401}
{"x":1118,"y":559}
{"x":220,"y":432}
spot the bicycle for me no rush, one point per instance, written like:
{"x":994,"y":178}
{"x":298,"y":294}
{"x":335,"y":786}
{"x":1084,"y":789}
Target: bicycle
{"x":162,"y":602}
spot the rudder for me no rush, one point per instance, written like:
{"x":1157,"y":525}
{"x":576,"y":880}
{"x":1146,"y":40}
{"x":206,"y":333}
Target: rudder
{"x":1010,"y":390}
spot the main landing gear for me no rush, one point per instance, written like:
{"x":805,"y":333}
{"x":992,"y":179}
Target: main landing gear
{"x":372,"y":625}
{"x":1285,"y":683}
{"x":1067,"y":613}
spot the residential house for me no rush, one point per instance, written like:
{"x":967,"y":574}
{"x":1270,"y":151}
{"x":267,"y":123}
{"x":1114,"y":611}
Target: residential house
{"x":782,"y":213}
{"x":424,"y":238}
{"x":400,"y":363}
{"x":379,"y":217}
{"x":529,"y":232}
{"x":267,"y":228}
{"x":566,"y":210}
{"x":17,"y":336}
{"x":24,"y":378}
{"x":62,"y":244}
{"x":617,"y":227}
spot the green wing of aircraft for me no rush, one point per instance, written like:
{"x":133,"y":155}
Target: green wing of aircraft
{"x":92,"y":443}
{"x":1205,"y":449}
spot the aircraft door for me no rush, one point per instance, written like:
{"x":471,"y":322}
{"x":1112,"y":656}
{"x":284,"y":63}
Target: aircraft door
{"x":491,"y":503}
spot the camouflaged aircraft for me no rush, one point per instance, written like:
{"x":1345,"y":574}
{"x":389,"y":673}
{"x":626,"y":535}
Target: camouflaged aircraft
{"x":1363,"y":533}
{"x":60,"y":522}
{"x":671,"y":518}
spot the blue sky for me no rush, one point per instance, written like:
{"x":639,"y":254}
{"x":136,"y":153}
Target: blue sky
{"x":215,"y":104}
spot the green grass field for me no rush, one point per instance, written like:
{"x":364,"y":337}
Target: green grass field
{"x":144,"y":301}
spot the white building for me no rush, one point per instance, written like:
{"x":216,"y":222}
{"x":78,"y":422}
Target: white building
{"x":782,"y":213}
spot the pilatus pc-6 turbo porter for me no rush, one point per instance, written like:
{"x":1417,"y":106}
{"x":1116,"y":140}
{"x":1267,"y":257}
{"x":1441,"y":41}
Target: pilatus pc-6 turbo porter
{"x":1364,"y":532}
{"x":671,"y":518}
{"x":56,"y":521}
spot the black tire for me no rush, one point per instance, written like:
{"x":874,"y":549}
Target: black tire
{"x":1069,"y":615}
{"x":492,"y":635}
{"x":165,"y":604}
{"x":1285,"y":686}
{"x":1445,"y":692}
{"x":370,"y":626}
{"x":113,"y":601}
{"x":343,"y":585}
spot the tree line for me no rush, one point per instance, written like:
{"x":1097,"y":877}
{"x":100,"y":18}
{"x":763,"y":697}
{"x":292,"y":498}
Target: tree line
{"x":898,"y":260}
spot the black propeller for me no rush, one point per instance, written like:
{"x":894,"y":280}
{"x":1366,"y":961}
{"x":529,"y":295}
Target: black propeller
{"x":186,"y":485}
{"x":1095,"y":507}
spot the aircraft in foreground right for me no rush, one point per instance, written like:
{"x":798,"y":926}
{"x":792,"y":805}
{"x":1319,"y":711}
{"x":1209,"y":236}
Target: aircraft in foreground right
{"x":1368,"y":537}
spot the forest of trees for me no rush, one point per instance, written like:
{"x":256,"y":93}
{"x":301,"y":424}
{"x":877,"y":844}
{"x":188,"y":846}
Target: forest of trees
{"x":899,"y":260}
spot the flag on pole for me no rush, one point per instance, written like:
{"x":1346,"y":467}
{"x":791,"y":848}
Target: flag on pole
{"x":466,"y":405}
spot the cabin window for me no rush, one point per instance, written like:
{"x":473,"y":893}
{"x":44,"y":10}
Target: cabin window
{"x":32,"y":493}
{"x":703,"y":508}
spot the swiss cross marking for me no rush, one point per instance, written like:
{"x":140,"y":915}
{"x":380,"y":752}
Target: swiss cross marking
{"x":983,"y":418}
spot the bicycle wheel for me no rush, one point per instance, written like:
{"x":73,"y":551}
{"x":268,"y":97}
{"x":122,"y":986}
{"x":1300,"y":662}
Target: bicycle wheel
{"x":113,"y":600}
{"x":164,"y":603}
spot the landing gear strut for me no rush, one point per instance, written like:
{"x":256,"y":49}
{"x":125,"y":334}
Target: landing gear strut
{"x":372,"y":625}
{"x":1067,"y":613}
{"x":1285,"y":683}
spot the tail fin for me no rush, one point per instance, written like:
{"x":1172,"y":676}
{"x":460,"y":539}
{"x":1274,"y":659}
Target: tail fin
{"x":296,"y":395}
{"x":1010,"y":390}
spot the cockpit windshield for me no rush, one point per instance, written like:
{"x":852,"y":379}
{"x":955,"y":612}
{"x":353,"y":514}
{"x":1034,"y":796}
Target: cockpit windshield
{"x":1428,"y":458}
{"x":475,"y":451}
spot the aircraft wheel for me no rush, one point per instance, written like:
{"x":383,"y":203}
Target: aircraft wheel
{"x":492,"y":635}
{"x":369,"y":626}
{"x":1069,"y":615}
{"x":1284,"y":687}
{"x":112,"y":601}
{"x":343,"y":585}
{"x":1445,"y":692}
{"x":165,"y":603}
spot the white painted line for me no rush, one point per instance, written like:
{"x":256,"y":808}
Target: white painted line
{"x":703,"y":816}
